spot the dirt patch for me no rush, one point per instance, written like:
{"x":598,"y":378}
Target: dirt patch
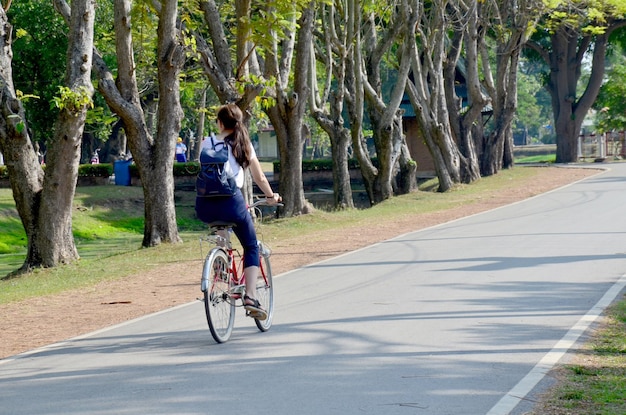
{"x":40,"y":321}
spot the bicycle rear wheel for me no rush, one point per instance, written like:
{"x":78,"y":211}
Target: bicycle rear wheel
{"x":218,"y":304}
{"x":265,"y":293}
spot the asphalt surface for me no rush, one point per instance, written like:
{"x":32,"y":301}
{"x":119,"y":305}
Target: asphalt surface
{"x":462,"y":318}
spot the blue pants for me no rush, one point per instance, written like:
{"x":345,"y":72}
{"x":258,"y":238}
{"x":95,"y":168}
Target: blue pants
{"x":232,"y":209}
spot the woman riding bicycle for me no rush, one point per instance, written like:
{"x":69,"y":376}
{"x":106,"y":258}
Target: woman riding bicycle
{"x":235,"y":209}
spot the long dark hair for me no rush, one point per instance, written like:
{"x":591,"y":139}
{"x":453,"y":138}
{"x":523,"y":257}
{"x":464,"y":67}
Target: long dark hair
{"x":239,"y":141}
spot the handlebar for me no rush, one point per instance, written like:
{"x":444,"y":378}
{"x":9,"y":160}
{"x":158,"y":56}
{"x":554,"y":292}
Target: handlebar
{"x":264,"y":202}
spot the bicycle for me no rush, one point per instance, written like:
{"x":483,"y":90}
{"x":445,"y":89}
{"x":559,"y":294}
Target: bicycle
{"x":223,"y":281}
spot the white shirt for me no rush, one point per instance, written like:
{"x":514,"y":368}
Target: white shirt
{"x":232,"y":168}
{"x":181,"y":148}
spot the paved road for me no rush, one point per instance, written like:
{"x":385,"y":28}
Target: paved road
{"x":462,"y":318}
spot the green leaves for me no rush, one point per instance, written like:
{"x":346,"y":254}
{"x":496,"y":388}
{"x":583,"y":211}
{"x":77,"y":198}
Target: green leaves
{"x":25,"y":97}
{"x":589,"y":16}
{"x":73,"y":101}
{"x":264,"y":98}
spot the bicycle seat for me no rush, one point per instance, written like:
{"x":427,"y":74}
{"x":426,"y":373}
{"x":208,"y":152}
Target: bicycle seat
{"x":221,"y":224}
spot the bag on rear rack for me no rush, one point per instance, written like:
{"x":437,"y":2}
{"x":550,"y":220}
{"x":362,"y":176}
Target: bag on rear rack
{"x":213,"y":180}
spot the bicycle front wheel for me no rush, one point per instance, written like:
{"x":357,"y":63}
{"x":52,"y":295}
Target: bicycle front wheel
{"x":218,"y":304}
{"x":265,"y":293}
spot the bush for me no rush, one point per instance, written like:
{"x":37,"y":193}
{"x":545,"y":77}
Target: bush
{"x":190,"y":168}
{"x":322,"y":165}
{"x":84,"y":170}
{"x":95,"y":170}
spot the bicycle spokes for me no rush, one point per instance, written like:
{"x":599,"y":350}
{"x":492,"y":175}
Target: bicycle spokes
{"x":218,"y":304}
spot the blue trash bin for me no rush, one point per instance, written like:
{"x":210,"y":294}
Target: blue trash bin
{"x":121,"y":169}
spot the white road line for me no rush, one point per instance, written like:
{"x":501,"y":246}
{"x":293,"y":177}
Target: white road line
{"x":524,"y":386}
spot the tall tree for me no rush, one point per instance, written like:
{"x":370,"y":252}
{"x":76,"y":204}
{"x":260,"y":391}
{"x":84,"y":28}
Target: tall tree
{"x":44,"y":201}
{"x":263,"y":36}
{"x":331,"y":50}
{"x":465,"y":116}
{"x":156,"y":163}
{"x":427,"y":91}
{"x":460,"y":54}
{"x":375,"y":29}
{"x":507,"y":24}
{"x":355,"y":97}
{"x":233,"y":77}
{"x":395,"y":32}
{"x":291,"y":54}
{"x":153,"y":154}
{"x":569,"y":33}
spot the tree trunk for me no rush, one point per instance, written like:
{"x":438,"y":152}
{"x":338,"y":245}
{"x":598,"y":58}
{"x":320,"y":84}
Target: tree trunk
{"x":333,"y":57}
{"x":156,"y":169}
{"x":429,"y":97}
{"x":25,"y":173}
{"x":406,"y":175}
{"x":565,"y":56}
{"x":497,"y":147}
{"x":383,"y":141}
{"x":54,"y":238}
{"x":384,"y":113}
{"x":290,"y":144}
{"x":564,"y":78}
{"x":200,"y":134}
{"x":287,"y":114}
{"x":342,"y":188}
{"x":508,"y":160}
{"x":438,"y":139}
{"x":115,"y":146}
{"x":464,"y":123}
{"x":567,"y":132}
{"x":44,"y":202}
{"x":154,"y":157}
{"x":356,"y":100}
{"x":339,"y":142}
{"x":445,"y":155}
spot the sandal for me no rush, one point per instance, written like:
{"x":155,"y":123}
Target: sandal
{"x":254,"y":309}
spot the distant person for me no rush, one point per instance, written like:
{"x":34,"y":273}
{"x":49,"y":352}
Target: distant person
{"x":181,"y":151}
{"x":95,"y":157}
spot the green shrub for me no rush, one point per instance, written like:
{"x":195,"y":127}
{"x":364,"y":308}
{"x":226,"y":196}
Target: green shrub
{"x":95,"y":170}
{"x":190,"y":168}
{"x":84,"y":170}
{"x":322,"y":165}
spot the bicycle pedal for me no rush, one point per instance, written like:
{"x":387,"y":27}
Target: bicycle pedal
{"x":238,"y":290}
{"x":256,"y":315}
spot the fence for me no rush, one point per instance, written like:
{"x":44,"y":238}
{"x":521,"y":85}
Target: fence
{"x":602,"y":146}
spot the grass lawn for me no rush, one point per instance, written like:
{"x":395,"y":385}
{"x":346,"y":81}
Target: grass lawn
{"x":108,"y":228}
{"x":541,"y":158}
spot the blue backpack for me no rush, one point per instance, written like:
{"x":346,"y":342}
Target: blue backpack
{"x":212,"y":180}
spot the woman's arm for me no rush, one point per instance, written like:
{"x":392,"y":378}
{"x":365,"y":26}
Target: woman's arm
{"x":259,"y":178}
